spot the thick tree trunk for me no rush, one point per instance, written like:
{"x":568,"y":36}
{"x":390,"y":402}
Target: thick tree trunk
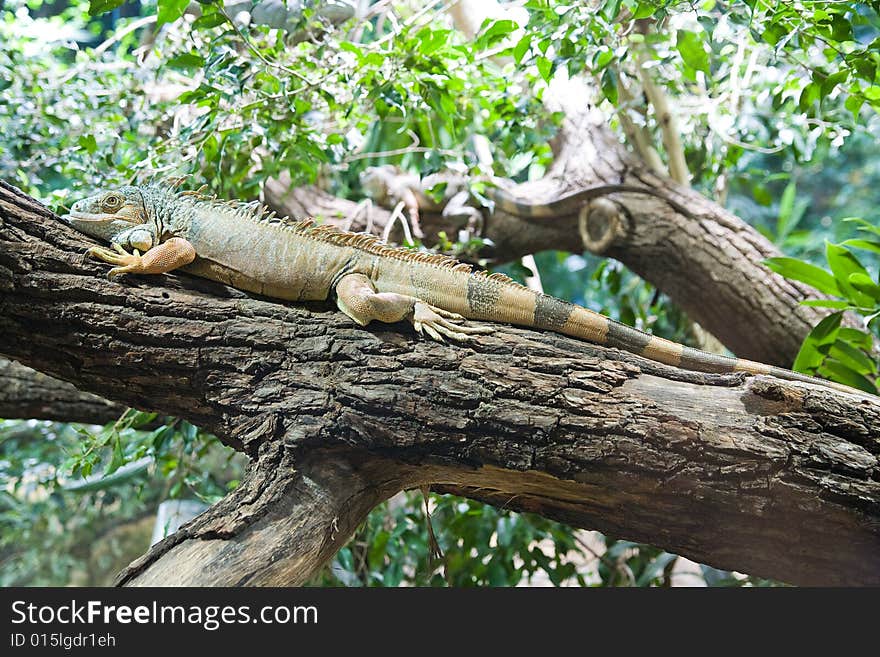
{"x":747,"y":473}
{"x":707,"y":260}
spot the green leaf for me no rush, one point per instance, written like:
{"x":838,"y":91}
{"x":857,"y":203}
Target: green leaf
{"x":827,"y":303}
{"x":786,"y":203}
{"x":852,"y":357}
{"x":186,"y":61}
{"x":521,"y":48}
{"x":857,"y":338}
{"x":545,"y":68}
{"x":854,"y":104}
{"x":762,"y":195}
{"x":643,"y":10}
{"x":608,"y":83}
{"x":810,"y":95}
{"x":602,"y":59}
{"x":140,"y":418}
{"x":88,"y":143}
{"x":774,"y":33}
{"x":872,"y":93}
{"x":790,"y":212}
{"x":798,"y":270}
{"x":829,"y":83}
{"x":207,"y":21}
{"x":610,"y":9}
{"x":118,"y":458}
{"x":188,"y":430}
{"x":161,"y":435}
{"x":867,"y":245}
{"x":690,"y":47}
{"x":866,"y":226}
{"x":817,"y":343}
{"x":863,"y":283}
{"x":176,"y":489}
{"x":843,"y":263}
{"x":433,"y":40}
{"x":108,"y":480}
{"x":102,"y":6}
{"x":494,"y":32}
{"x":836,"y":371}
{"x":865,"y":68}
{"x":655,"y":568}
{"x":171,"y":10}
{"x":841,"y":28}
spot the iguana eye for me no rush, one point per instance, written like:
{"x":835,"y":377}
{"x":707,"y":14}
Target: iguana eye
{"x":112,"y":202}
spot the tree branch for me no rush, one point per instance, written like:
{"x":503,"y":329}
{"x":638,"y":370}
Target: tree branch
{"x":28,"y":394}
{"x":637,"y":136}
{"x":669,"y":131}
{"x":747,"y":473}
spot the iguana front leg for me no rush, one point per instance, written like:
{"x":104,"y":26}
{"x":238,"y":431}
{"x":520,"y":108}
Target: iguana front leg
{"x":357,"y":297}
{"x":162,"y":258}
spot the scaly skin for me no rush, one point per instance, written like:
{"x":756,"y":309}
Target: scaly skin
{"x":388,"y":185}
{"x":243,"y":246}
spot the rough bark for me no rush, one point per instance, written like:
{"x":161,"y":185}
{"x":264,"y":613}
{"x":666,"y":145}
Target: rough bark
{"x":706,"y":260}
{"x":746,"y":473}
{"x":28,"y":394}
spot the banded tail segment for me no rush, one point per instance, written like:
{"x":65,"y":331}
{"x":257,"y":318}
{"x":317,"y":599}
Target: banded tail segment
{"x":583,"y":323}
{"x":519,"y":305}
{"x":501,"y":301}
{"x":496,"y":301}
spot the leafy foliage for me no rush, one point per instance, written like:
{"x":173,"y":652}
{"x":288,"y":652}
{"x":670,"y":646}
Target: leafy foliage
{"x":837,"y":352}
{"x":51,"y":517}
{"x":485,"y":546}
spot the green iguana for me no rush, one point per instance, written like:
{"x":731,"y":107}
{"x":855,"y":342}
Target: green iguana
{"x":155,"y":229}
{"x":388,"y":185}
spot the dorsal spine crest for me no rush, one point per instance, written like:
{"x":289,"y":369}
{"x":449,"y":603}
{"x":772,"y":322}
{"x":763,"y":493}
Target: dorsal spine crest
{"x":259,"y":213}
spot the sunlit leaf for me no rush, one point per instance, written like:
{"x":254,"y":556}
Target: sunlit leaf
{"x":805,"y":273}
{"x":545,"y":68}
{"x":171,"y":10}
{"x":843,"y":264}
{"x":692,"y":50}
{"x":867,"y":245}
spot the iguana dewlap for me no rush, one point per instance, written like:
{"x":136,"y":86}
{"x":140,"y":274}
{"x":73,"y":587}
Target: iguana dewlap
{"x":155,"y":229}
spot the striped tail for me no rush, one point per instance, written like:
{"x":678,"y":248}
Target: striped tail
{"x":527,"y":308}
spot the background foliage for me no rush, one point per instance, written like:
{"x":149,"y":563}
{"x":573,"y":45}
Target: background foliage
{"x":775,"y":103}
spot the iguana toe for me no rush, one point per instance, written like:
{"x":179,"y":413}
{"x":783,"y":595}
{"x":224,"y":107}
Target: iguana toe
{"x":437,"y":323}
{"x":127,"y":262}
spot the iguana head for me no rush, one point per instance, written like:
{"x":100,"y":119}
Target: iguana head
{"x":121,"y":216}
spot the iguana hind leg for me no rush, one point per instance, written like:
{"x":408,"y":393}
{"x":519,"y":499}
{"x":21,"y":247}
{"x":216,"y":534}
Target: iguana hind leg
{"x":357,"y":297}
{"x":162,"y":258}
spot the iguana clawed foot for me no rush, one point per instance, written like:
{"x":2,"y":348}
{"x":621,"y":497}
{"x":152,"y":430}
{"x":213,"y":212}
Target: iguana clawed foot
{"x":160,"y":259}
{"x":128,"y":262}
{"x":437,"y":323}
